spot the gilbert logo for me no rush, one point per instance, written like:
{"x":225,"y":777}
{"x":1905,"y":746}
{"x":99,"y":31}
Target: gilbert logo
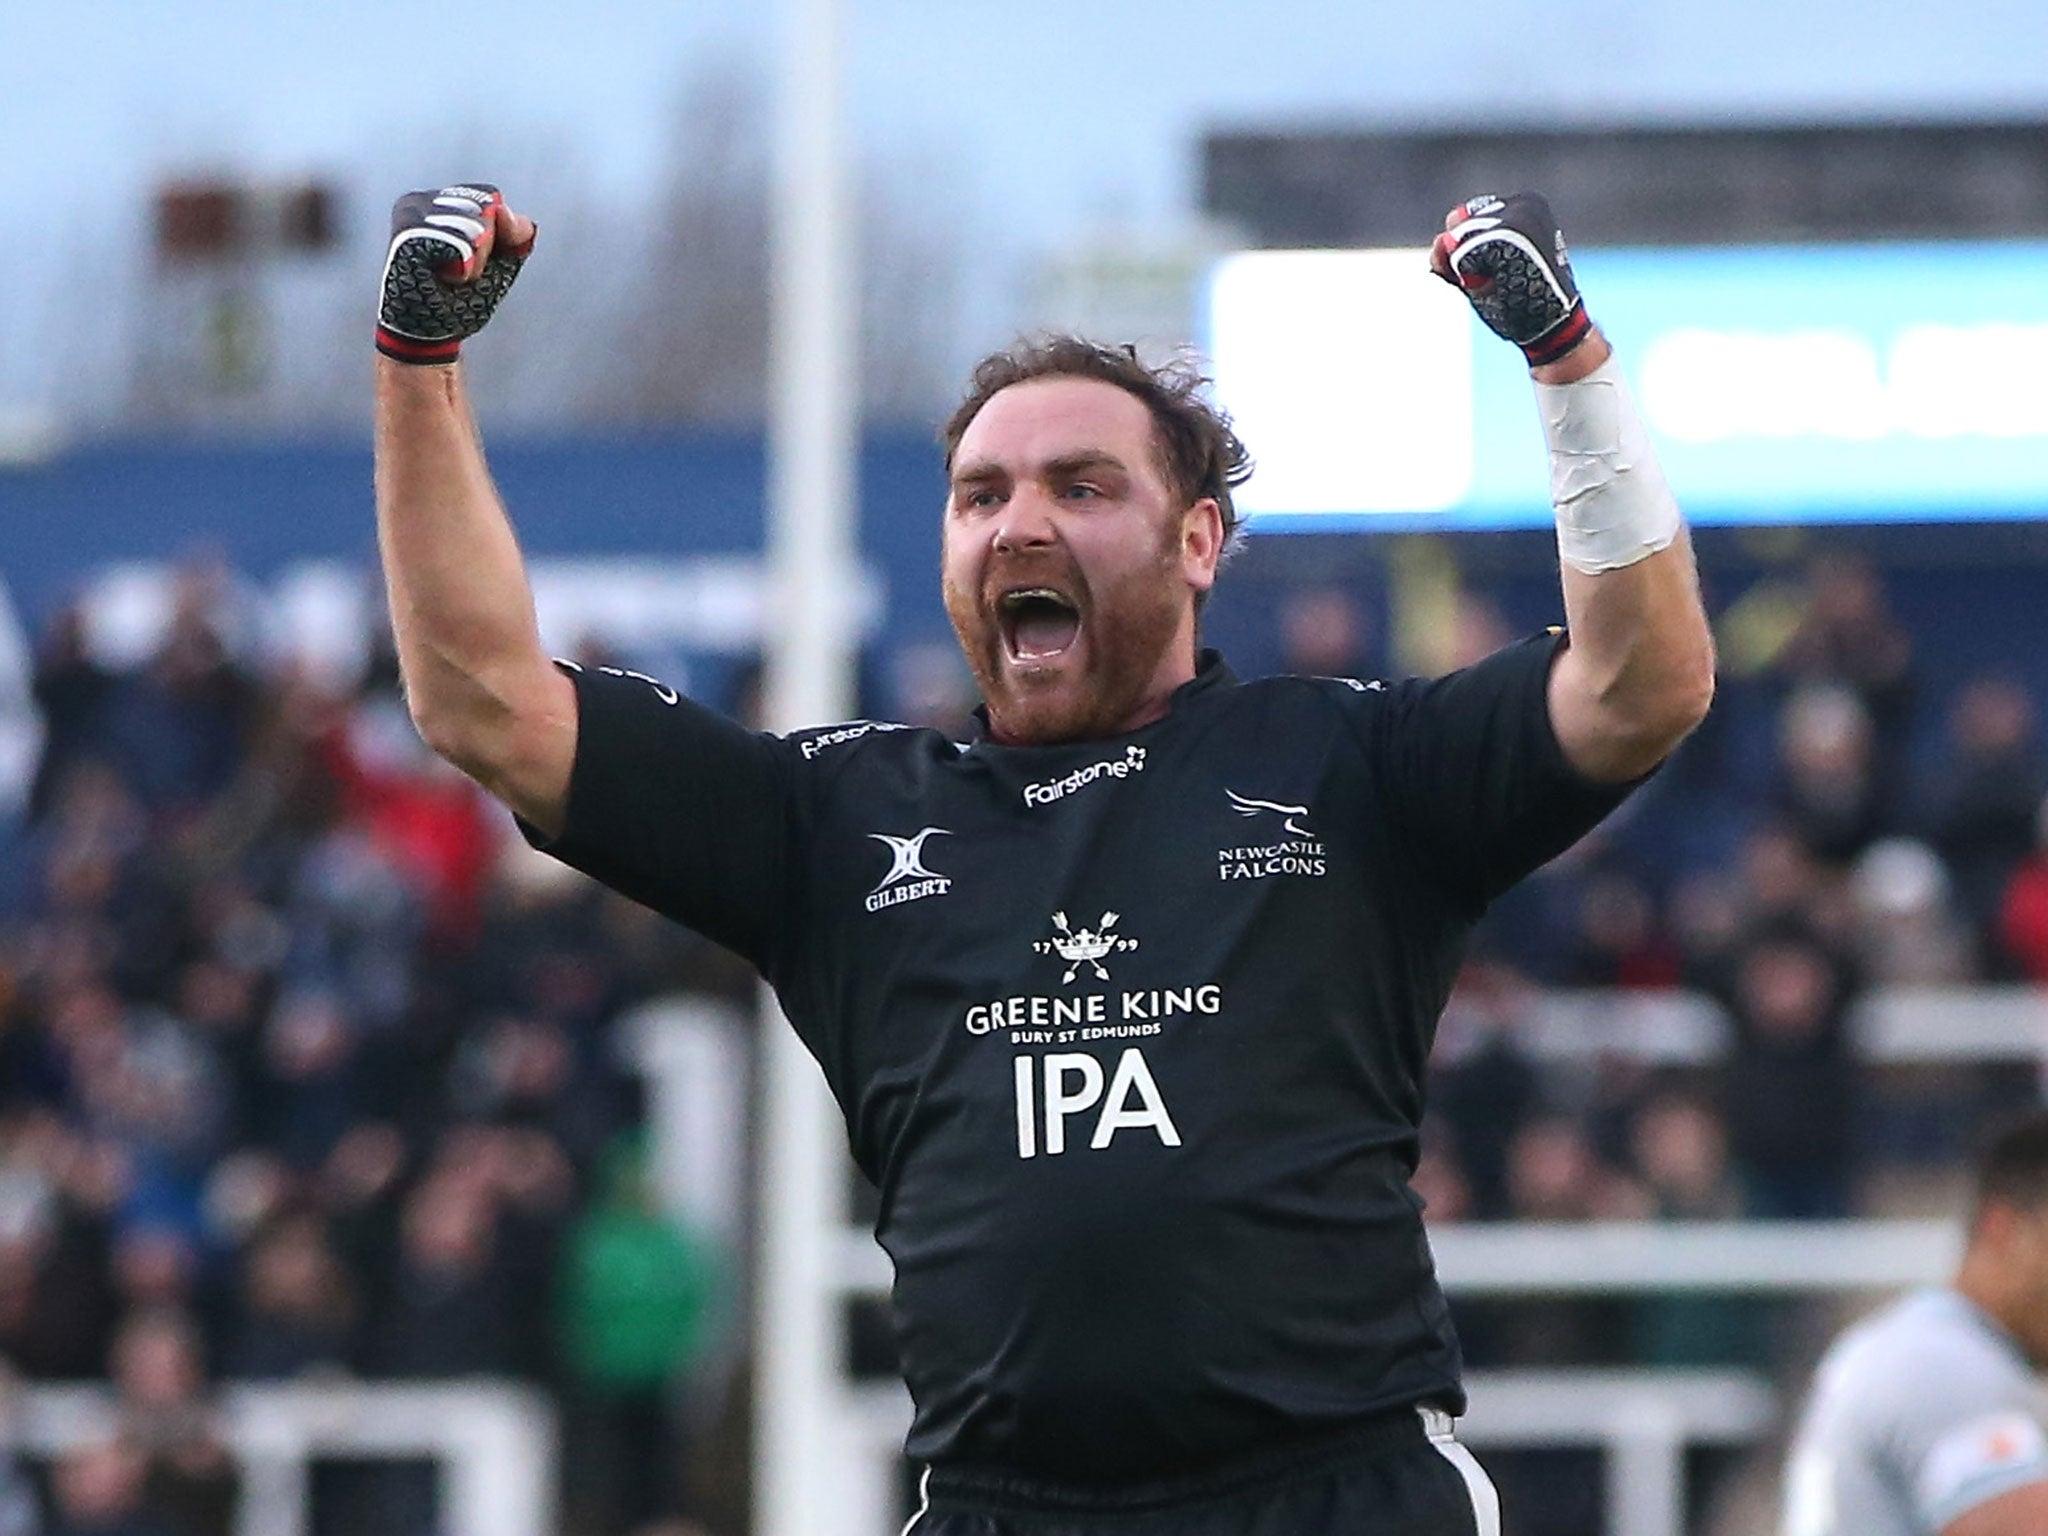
{"x":1132,"y":761}
{"x":908,"y":879}
{"x":1084,"y":946}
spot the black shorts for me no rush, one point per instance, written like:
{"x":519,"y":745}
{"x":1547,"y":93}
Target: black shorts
{"x":1401,"y":1474}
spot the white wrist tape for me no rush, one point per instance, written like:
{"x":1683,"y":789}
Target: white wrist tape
{"x":1613,"y":504}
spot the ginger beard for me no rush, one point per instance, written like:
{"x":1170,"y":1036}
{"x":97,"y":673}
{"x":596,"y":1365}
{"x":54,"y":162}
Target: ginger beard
{"x":1048,"y":677}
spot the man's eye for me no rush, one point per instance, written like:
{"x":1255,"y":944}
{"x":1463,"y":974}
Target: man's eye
{"x":1082,"y":492}
{"x":983,"y":499}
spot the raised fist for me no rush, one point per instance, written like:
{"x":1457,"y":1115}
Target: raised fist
{"x":1508,"y":257}
{"x":453,"y":256}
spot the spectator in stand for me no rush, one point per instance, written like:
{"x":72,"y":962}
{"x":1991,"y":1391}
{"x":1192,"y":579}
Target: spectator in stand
{"x":356,"y":928}
{"x":72,"y":691}
{"x":57,"y":1303}
{"x":1986,"y":797}
{"x":1849,"y":637}
{"x":1554,"y":1175}
{"x":248,"y":1190}
{"x":298,"y":1305}
{"x":84,"y":849}
{"x":189,"y":1480}
{"x":220,"y":1007}
{"x":546,"y":946}
{"x":1324,"y":633}
{"x":2023,"y":915}
{"x":360,"y":1190}
{"x":181,"y":727}
{"x":429,"y":821}
{"x":156,"y":1269}
{"x":1829,"y":792}
{"x":1906,"y":932}
{"x":98,"y":1491}
{"x":1789,"y":1085}
{"x":636,"y":1292}
{"x":1482,"y":1084}
{"x":308,"y":1096}
{"x":449,"y":1313}
{"x":1680,"y":1152}
{"x":1619,"y":942}
{"x":528,"y":1181}
{"x":1439,"y":1177}
{"x":929,"y":685}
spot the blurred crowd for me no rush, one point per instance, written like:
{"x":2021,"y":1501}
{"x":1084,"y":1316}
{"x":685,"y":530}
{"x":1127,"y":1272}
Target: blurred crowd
{"x":1836,"y":828}
{"x":307,"y":1069}
{"x":308,"y":1066}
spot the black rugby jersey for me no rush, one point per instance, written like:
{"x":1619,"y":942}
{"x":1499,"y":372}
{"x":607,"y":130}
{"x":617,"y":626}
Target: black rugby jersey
{"x":1130,"y":1034}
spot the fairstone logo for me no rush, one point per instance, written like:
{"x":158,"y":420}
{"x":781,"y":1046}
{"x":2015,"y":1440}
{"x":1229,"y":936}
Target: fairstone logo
{"x":845,"y":733}
{"x":1132,"y":761}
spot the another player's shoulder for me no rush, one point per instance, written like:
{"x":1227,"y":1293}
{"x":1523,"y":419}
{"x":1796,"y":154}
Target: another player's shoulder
{"x":1915,"y":1346}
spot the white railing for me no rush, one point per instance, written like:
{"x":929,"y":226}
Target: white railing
{"x":496,"y":1445}
{"x":1895,"y":1026}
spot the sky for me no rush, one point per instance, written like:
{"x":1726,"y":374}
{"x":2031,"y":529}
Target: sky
{"x":1016,"y":127}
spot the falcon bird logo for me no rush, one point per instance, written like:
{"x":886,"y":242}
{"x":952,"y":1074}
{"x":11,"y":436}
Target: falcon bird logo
{"x":1244,"y":805}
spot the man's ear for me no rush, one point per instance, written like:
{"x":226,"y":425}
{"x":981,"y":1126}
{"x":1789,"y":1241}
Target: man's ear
{"x":1201,"y":542}
{"x":1998,"y":1225}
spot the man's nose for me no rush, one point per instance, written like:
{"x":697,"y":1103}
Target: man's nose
{"x":1026,"y":522}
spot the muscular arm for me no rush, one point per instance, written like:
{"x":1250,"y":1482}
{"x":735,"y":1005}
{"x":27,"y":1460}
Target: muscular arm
{"x":1639,"y":671}
{"x":480,"y":687}
{"x":2022,"y":1512}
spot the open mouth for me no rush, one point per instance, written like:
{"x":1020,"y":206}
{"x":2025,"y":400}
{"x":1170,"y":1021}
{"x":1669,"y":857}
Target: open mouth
{"x":1038,"y":623}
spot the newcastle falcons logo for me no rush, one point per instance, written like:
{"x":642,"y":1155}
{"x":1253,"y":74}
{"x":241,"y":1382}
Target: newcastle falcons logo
{"x":908,"y":879}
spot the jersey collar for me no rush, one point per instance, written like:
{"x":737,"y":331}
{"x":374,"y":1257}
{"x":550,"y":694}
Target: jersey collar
{"x":1211,"y":672}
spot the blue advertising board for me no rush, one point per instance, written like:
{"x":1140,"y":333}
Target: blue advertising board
{"x":1803,"y":384}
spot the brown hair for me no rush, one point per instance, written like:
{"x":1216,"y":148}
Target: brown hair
{"x":2013,"y":1168}
{"x":1199,"y":453}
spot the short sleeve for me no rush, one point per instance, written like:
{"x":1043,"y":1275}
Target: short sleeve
{"x":681,"y":809}
{"x":1473,"y":773}
{"x":1978,"y":1460}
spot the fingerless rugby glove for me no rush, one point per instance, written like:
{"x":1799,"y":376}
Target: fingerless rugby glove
{"x":436,"y":294}
{"x":1508,"y":256}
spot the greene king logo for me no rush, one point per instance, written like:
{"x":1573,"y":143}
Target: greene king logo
{"x":908,"y":879}
{"x":1132,"y":761}
{"x":1084,"y":946}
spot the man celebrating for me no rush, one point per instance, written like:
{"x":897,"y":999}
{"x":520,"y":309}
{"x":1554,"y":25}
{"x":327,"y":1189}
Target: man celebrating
{"x":1926,"y":1419}
{"x":1127,"y":1000}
